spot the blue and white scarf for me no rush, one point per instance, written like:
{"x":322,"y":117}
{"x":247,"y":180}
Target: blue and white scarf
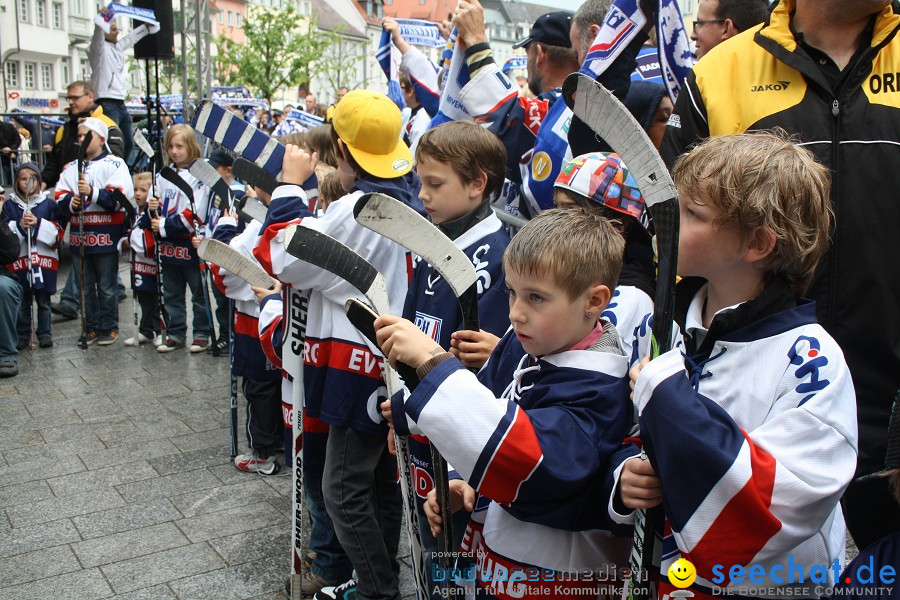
{"x":420,"y":33}
{"x":389,"y":58}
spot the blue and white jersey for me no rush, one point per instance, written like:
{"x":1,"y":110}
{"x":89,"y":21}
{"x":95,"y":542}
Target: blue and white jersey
{"x":551,"y":152}
{"x":45,"y":235}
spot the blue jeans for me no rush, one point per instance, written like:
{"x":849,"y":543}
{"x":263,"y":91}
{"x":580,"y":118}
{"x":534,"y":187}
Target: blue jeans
{"x":115,"y":110}
{"x":176,"y":280}
{"x":361,"y":495}
{"x":100,"y":296}
{"x":70,"y":295}
{"x":10,"y":296}
{"x":23,"y":325}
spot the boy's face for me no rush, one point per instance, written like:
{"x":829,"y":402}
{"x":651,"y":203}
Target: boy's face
{"x":445,"y":195}
{"x":96,"y":146}
{"x":563,"y":199}
{"x":177,"y":151}
{"x":704,"y":248}
{"x":141,"y":192}
{"x":225,"y":173}
{"x":544,"y":318}
{"x":22,"y":182}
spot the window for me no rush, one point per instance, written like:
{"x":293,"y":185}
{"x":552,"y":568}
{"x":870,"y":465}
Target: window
{"x":221,"y":17}
{"x":24,"y":11}
{"x":239,"y":19}
{"x":12,"y":73}
{"x":57,"y":15}
{"x":47,"y":76}
{"x":41,"y":12}
{"x":230,"y":18}
{"x":84,"y":68}
{"x":65,"y":70}
{"x":74,"y":7}
{"x":30,"y":76}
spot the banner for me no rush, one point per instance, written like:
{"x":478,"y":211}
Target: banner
{"x":454,"y":76}
{"x":420,"y":33}
{"x":115,"y":9}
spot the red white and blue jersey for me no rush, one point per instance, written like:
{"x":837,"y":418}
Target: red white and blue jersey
{"x":103,"y":216}
{"x":342,"y":370}
{"x":763,"y":446}
{"x":537,"y":451}
{"x":45,"y":236}
{"x":143,"y":252}
{"x":179,"y":222}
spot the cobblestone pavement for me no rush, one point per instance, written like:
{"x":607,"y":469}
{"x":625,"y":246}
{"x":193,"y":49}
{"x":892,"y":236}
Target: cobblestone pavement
{"x":116,"y":482}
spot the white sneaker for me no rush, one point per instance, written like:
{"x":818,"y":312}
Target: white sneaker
{"x":141,"y":339}
{"x":158,"y":340}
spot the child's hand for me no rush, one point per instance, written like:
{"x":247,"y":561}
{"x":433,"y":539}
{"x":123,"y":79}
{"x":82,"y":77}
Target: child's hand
{"x":386,"y":411}
{"x":153,"y":205}
{"x":154,"y":224}
{"x":462,"y":495}
{"x":230,"y":213}
{"x":639,"y":487}
{"x":298,"y":164}
{"x":195,"y":242}
{"x":126,"y":245}
{"x":75,"y":205}
{"x":263,"y":292}
{"x":85,"y":189}
{"x":635,"y":372}
{"x":473,"y":348}
{"x":401,"y":341}
{"x":28,"y":220}
{"x":391,"y":444}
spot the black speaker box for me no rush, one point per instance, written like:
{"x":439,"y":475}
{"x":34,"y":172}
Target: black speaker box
{"x":160,"y":45}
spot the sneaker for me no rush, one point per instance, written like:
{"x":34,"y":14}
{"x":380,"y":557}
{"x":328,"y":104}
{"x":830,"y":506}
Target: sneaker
{"x":158,"y":340}
{"x":221,"y":347}
{"x":308,"y":557}
{"x":199,"y":345}
{"x":91,"y":338}
{"x":170,"y":345}
{"x":140,"y":339}
{"x":254,"y":463}
{"x":45,"y":341}
{"x":312,"y":584}
{"x":22,"y":343}
{"x":107,"y":339}
{"x":9,"y":368}
{"x":63,"y":310}
{"x":345,"y":591}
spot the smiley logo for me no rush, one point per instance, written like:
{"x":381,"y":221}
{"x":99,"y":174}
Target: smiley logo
{"x":682,"y":573}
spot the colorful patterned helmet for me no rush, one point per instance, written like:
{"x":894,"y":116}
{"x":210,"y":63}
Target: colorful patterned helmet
{"x":603,"y":178}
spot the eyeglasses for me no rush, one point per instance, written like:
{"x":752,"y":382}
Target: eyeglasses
{"x":698,"y":22}
{"x":74,"y":98}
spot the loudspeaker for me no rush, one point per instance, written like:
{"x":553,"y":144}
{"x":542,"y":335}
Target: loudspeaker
{"x":161,"y":45}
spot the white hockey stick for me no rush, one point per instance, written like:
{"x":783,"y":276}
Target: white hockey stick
{"x":234,"y":262}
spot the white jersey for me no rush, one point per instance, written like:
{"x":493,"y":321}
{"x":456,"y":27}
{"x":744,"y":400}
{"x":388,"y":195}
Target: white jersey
{"x":108,"y":61}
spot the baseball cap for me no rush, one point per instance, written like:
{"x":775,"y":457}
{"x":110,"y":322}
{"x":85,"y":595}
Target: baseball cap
{"x":220,"y":158}
{"x":550,"y":28}
{"x":97,"y":126}
{"x":603,"y":178}
{"x":369,"y":124}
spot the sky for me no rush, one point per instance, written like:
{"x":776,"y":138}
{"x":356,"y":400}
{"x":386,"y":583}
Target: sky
{"x":559,"y":4}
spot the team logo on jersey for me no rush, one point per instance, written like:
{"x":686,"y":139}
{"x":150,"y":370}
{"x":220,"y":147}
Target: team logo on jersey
{"x":541,"y":166}
{"x":481,"y":272}
{"x":806,"y":353}
{"x":428,"y":324}
{"x":771,"y":87}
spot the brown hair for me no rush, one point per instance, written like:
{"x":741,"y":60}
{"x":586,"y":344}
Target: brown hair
{"x":358,"y":171}
{"x":318,"y":139}
{"x":763,"y":179}
{"x":330,"y":189}
{"x":470,"y":150}
{"x":143,"y":177}
{"x":186,"y":134}
{"x":577,"y":248}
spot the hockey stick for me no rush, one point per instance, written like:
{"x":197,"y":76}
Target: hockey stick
{"x":232,"y":388}
{"x":609,"y":119}
{"x":160,"y":297}
{"x":254,"y":175}
{"x":251,"y":209}
{"x":236,"y":134}
{"x":226,"y":257}
{"x":329,"y":254}
{"x":400,"y":223}
{"x":29,"y":189}
{"x":82,"y":152}
{"x":172,"y":176}
{"x":207,"y":174}
{"x":141,"y":142}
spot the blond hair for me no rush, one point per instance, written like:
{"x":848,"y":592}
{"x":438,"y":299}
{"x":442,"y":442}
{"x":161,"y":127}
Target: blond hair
{"x":577,"y":248}
{"x":186,"y":134}
{"x":469,"y":149}
{"x":763,"y":179}
{"x":143,"y":177}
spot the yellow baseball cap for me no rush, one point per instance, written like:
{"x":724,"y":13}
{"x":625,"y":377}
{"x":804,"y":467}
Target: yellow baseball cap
{"x":369,"y":125}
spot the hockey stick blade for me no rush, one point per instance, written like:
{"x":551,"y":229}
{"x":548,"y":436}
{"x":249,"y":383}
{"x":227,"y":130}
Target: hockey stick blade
{"x":253,"y":175}
{"x":251,"y":209}
{"x":208,"y":175}
{"x":231,"y":131}
{"x":82,"y":150}
{"x":234,"y":262}
{"x":172,"y":176}
{"x":141,"y":142}
{"x":400,"y":223}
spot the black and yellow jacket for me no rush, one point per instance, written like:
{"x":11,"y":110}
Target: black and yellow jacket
{"x":762,"y":78}
{"x":65,"y":144}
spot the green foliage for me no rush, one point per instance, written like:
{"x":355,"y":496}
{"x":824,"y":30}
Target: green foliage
{"x":280,"y":51}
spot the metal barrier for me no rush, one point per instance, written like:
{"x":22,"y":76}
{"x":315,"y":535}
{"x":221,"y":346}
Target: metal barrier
{"x":35,"y":124}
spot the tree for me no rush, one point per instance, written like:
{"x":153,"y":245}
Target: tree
{"x":340,"y":65}
{"x":280,"y":51}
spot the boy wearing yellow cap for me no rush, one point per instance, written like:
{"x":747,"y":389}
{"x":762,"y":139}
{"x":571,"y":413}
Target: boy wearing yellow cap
{"x":342,"y":378}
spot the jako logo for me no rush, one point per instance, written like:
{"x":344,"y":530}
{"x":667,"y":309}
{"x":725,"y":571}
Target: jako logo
{"x":805,"y":352}
{"x":769,"y":87}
